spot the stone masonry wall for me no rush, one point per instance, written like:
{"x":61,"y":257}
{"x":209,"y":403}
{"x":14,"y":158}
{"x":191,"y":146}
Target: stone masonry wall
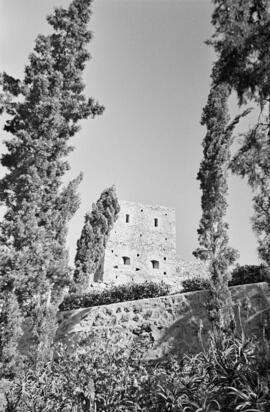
{"x":142,"y":244}
{"x":175,"y":323}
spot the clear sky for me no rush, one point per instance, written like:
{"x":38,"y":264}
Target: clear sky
{"x":151,"y":70}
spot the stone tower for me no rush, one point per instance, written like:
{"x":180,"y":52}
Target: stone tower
{"x":142,"y":244}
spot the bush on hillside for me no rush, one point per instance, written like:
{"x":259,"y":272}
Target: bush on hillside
{"x":115,"y":294}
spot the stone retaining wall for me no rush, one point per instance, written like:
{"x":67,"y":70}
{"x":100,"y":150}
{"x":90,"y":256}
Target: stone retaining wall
{"x":164,"y":324}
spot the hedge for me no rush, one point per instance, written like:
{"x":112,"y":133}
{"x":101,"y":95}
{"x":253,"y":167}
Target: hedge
{"x":241,"y":275}
{"x":114,"y":294}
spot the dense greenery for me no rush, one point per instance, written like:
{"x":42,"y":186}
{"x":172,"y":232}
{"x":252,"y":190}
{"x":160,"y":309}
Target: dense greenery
{"x":196,"y":283}
{"x":91,"y":246}
{"x":114,"y":294}
{"x":241,"y":275}
{"x":43,"y":110}
{"x":232,"y":375}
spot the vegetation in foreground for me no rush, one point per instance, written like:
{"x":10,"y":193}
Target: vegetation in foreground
{"x":232,"y":375}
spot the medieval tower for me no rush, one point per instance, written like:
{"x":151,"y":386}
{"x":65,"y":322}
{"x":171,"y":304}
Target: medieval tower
{"x":142,"y":244}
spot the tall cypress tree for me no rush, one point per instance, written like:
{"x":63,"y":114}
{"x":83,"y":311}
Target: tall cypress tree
{"x":242,"y":42}
{"x":44,"y":109}
{"x":91,"y":246}
{"x":213,"y":230}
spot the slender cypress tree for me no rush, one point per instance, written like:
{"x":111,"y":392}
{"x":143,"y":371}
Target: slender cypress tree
{"x":44,"y":109}
{"x":242,"y":42}
{"x":91,"y":246}
{"x":213,"y":230}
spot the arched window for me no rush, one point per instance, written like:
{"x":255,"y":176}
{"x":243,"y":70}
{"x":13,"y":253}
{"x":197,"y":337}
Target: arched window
{"x":126,"y":260}
{"x":155,"y":264}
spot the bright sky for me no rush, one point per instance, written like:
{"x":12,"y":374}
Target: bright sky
{"x":151,"y":70}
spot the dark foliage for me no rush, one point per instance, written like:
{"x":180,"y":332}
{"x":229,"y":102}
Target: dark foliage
{"x":91,"y":246}
{"x":196,"y":283}
{"x":122,"y":293}
{"x":243,"y":275}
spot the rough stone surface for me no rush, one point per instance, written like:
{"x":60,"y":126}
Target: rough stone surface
{"x":176,"y":323}
{"x":142,"y":244}
{"x":190,"y":269}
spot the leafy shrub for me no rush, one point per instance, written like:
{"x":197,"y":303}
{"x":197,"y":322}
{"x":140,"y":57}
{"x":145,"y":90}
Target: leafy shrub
{"x":242,"y":275}
{"x":114,"y":294}
{"x":223,"y":378}
{"x":196,"y":283}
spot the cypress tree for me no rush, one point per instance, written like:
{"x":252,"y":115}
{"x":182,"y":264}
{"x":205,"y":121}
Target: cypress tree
{"x":91,"y":246}
{"x":213,"y":230}
{"x":242,"y":41}
{"x":252,"y":161}
{"x":44,"y":109}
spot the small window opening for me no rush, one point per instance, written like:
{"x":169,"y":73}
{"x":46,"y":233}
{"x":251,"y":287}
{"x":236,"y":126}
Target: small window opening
{"x":126,"y":260}
{"x":165,"y":273}
{"x":166,"y":238}
{"x":137,"y":269}
{"x":166,"y":214}
{"x":138,"y":254}
{"x":141,"y":210}
{"x":155,"y":264}
{"x":127,"y":218}
{"x":140,"y":235}
{"x":112,"y":251}
{"x":116,"y":267}
{"x":164,"y":258}
{"x":156,"y":222}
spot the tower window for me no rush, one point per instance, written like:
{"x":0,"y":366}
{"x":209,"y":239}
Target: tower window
{"x":164,"y":258}
{"x":127,"y":218}
{"x":155,"y":264}
{"x":126,"y":260}
{"x":156,"y":222}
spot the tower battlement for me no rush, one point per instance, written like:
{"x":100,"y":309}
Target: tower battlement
{"x":142,"y":244}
